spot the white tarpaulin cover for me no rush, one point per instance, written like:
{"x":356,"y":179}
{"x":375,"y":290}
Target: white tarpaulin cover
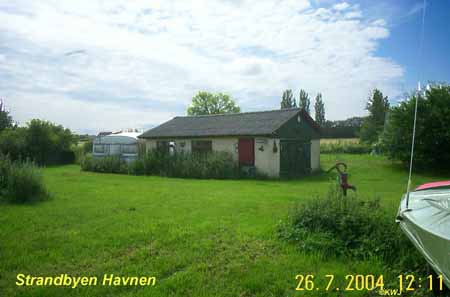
{"x":427,"y":224}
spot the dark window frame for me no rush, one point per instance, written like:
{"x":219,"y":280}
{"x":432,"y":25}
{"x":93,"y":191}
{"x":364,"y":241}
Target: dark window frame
{"x":99,"y":148}
{"x":202,"y":146}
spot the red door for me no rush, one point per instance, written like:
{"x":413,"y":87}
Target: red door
{"x":246,"y":148}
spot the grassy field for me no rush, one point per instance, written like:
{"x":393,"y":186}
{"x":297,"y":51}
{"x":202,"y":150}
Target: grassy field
{"x":339,"y":140}
{"x":198,"y":237}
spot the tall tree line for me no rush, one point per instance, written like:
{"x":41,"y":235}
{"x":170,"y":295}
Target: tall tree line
{"x":304,"y":102}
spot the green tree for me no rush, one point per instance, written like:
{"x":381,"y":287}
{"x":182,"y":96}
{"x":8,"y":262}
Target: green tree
{"x":13,"y":143}
{"x":208,"y":103}
{"x":378,"y":107}
{"x":432,"y":145}
{"x":5,"y":119}
{"x":288,"y":100}
{"x":319,"y":109}
{"x":304,"y":101}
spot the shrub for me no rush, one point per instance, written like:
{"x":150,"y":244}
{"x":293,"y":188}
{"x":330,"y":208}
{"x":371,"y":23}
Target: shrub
{"x":79,"y":153}
{"x":21,"y":182}
{"x":136,"y":167}
{"x":344,"y":147}
{"x":348,"y":226}
{"x":80,"y":150}
{"x":109,"y":164}
{"x":5,"y":168}
{"x":218,"y":165}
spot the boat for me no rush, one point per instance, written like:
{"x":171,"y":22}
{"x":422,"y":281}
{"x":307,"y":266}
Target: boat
{"x":424,"y":217}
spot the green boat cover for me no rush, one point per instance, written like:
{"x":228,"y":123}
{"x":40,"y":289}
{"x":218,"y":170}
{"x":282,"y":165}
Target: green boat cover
{"x":427,"y":224}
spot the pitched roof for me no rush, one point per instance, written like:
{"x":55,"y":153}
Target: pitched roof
{"x":237,"y":124}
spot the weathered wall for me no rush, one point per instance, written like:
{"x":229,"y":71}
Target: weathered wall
{"x":228,"y":145}
{"x":185,"y":145}
{"x":266,"y":160}
{"x":315,"y":154}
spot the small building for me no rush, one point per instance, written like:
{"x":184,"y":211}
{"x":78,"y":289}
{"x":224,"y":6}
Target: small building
{"x":123,"y":144}
{"x":283,"y":142}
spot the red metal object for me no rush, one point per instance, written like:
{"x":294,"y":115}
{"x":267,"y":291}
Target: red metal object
{"x":246,"y":148}
{"x":341,"y":168}
{"x":432,"y":185}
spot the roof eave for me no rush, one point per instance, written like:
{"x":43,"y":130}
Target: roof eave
{"x":208,"y":136}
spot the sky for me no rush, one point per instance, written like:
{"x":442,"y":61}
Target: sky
{"x":108,"y":65}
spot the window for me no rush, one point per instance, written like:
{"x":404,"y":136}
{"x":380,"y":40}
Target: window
{"x":99,"y":148}
{"x":129,"y":149}
{"x":162,"y":146}
{"x":201,"y":146}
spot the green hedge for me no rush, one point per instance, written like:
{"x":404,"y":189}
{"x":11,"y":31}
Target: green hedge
{"x":215,"y":165}
{"x":21,"y":182}
{"x":109,"y":164}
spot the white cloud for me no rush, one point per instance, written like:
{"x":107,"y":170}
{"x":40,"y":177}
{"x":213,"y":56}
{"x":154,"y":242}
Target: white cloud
{"x":341,"y":6}
{"x":73,"y":113}
{"x":140,"y":62}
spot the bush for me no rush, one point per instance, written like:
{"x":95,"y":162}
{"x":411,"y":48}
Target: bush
{"x":81,"y":150}
{"x":217,"y":165}
{"x":109,"y":164}
{"x":21,"y":182}
{"x":432,"y":147}
{"x":351,"y":227}
{"x":344,"y":147}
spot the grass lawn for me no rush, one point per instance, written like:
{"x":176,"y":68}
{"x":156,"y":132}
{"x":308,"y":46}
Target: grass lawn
{"x":198,"y":237}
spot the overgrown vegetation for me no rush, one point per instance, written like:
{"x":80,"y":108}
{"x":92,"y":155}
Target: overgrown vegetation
{"x":343,"y":146}
{"x":108,"y":164}
{"x":214,"y":165}
{"x":350,"y":227}
{"x":82,"y":149}
{"x":21,"y":182}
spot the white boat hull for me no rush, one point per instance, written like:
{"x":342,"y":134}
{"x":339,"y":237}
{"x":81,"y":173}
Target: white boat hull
{"x":426,"y":222}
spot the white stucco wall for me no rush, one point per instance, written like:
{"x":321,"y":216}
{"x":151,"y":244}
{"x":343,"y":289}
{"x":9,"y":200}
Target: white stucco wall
{"x":228,"y":145}
{"x":266,"y":160}
{"x":315,"y":154}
